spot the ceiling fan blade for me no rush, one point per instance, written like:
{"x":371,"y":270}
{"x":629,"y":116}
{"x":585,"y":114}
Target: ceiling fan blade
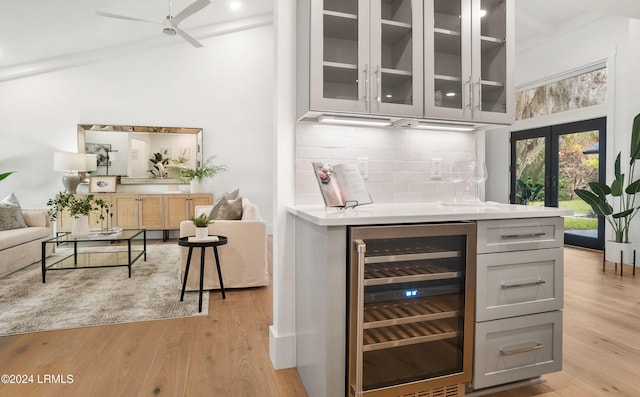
{"x":190,"y":39}
{"x":190,"y":10}
{"x":110,"y":15}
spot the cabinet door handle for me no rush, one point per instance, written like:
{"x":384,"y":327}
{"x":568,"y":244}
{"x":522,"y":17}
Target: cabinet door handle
{"x":361,"y":249}
{"x":470,"y":99}
{"x":538,"y":234}
{"x":534,"y":347}
{"x":479,"y":101}
{"x":366,"y":82}
{"x":522,"y":284}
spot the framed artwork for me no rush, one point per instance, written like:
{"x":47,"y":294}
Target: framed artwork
{"x":100,"y":150}
{"x":103,"y":184}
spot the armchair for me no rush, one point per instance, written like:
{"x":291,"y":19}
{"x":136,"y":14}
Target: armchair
{"x":243,"y":260}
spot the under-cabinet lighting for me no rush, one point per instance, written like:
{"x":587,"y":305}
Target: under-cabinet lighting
{"x":450,"y":94}
{"x":389,"y":96}
{"x":354,"y":121}
{"x":444,"y":127}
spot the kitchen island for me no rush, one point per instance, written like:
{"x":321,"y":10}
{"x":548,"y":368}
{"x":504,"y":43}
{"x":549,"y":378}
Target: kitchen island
{"x":322,"y":283}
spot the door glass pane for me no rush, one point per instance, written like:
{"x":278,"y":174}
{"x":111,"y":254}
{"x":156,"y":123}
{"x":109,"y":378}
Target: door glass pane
{"x":340,"y":49}
{"x":397,"y":56}
{"x":578,"y":165}
{"x":493,"y":56}
{"x":530,"y":171}
{"x":447,"y":55}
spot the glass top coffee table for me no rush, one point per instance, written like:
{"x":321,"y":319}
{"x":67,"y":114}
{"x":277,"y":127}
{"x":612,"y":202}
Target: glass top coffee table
{"x":118,"y":249}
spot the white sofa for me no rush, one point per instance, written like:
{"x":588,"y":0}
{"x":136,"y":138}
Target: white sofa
{"x":21,"y":247}
{"x":243,"y":260}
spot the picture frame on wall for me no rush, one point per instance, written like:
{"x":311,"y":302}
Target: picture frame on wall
{"x":103,"y":184}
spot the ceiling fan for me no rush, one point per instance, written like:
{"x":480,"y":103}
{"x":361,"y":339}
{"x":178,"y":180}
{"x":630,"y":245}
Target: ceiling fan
{"x":170,"y":24}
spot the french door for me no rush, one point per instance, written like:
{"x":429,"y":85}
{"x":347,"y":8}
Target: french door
{"x":549,"y":163}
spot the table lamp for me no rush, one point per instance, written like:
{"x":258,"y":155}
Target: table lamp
{"x":71,"y":163}
{"x":92,"y":165}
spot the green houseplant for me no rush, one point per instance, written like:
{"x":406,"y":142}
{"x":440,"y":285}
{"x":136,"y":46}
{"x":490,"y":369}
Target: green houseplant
{"x":195,"y":176}
{"x":617,"y":203}
{"x":79,"y":208}
{"x":202,"y":225}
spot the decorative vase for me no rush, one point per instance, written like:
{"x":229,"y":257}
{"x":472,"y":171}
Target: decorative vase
{"x":612,"y":252}
{"x":195,"y":186}
{"x":80,"y":226}
{"x":202,"y":232}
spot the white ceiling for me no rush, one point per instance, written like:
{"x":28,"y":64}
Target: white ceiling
{"x":38,"y":30}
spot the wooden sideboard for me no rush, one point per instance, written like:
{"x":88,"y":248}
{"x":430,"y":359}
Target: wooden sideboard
{"x":144,"y":211}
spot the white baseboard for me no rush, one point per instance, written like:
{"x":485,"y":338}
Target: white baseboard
{"x":282,"y":349}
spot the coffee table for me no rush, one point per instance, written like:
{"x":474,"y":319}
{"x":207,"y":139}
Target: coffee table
{"x":96,"y":250}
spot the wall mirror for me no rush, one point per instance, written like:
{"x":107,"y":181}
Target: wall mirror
{"x":126,"y":150}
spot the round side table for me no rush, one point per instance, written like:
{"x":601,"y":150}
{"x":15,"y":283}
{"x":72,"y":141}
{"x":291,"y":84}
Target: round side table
{"x":203,"y":244}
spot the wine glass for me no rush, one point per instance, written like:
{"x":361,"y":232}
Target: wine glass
{"x":459,"y":173}
{"x":478,"y":175}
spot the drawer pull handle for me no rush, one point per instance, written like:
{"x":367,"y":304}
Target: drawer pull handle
{"x":528,"y":349}
{"x":523,"y":284}
{"x":523,"y":235}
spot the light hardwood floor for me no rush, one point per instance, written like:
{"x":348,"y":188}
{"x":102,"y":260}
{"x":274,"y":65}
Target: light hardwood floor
{"x":226,"y":352}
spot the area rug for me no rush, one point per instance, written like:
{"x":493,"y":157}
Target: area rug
{"x":87,"y":297}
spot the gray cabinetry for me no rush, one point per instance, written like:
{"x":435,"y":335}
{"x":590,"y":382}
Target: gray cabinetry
{"x":360,"y":56}
{"x":518,"y":300}
{"x":469,"y":60}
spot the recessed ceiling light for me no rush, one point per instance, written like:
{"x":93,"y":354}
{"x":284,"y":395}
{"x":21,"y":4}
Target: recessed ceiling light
{"x":450,"y":94}
{"x":235,"y":5}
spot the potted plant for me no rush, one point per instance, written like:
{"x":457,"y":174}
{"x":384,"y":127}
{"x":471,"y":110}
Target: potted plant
{"x":202,"y":225}
{"x":622,"y":195}
{"x":160,"y":164}
{"x":79,"y":209}
{"x":195,"y":176}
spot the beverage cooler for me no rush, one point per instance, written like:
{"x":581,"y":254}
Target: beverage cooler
{"x":410,"y":309}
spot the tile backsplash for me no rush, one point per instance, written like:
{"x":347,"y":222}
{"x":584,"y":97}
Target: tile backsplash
{"x":400,"y":160}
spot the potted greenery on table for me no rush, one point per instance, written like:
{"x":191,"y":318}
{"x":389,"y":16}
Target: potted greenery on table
{"x":621,"y":209}
{"x":195,"y":176}
{"x":202,"y":225}
{"x":79,"y":208}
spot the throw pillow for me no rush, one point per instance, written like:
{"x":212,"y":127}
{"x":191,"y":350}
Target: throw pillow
{"x":227,"y":210}
{"x":229,"y":196}
{"x":11,"y":214}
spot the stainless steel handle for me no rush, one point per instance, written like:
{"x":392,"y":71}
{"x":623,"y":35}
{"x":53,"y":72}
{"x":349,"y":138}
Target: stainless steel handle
{"x":538,"y":234}
{"x":361,"y":248}
{"x":470,"y":99}
{"x":479,"y":101}
{"x":536,"y":346}
{"x":522,"y":284}
{"x":366,"y":82}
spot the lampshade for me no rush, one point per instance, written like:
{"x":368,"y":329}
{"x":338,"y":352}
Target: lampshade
{"x":92,"y":162}
{"x":65,"y":161}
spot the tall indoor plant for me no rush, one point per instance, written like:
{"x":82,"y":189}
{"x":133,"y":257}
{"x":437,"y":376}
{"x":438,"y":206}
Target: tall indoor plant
{"x":617,"y":203}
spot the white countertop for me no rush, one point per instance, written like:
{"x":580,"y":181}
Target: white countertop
{"x":420,"y":212}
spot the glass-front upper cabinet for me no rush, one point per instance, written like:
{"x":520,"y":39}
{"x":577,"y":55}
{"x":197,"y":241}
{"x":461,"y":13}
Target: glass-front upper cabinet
{"x":468,"y":58}
{"x":366,"y":56}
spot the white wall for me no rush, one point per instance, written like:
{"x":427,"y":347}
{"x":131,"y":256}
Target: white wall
{"x":226,"y":88}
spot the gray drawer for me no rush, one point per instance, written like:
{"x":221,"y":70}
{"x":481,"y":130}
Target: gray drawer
{"x":520,"y":234}
{"x":517,"y":348}
{"x":517,"y":283}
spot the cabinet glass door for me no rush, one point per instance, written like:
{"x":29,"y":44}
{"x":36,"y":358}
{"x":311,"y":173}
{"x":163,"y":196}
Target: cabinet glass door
{"x":396,"y":57}
{"x":447,"y":61}
{"x":493,"y":93}
{"x":340,"y":70}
